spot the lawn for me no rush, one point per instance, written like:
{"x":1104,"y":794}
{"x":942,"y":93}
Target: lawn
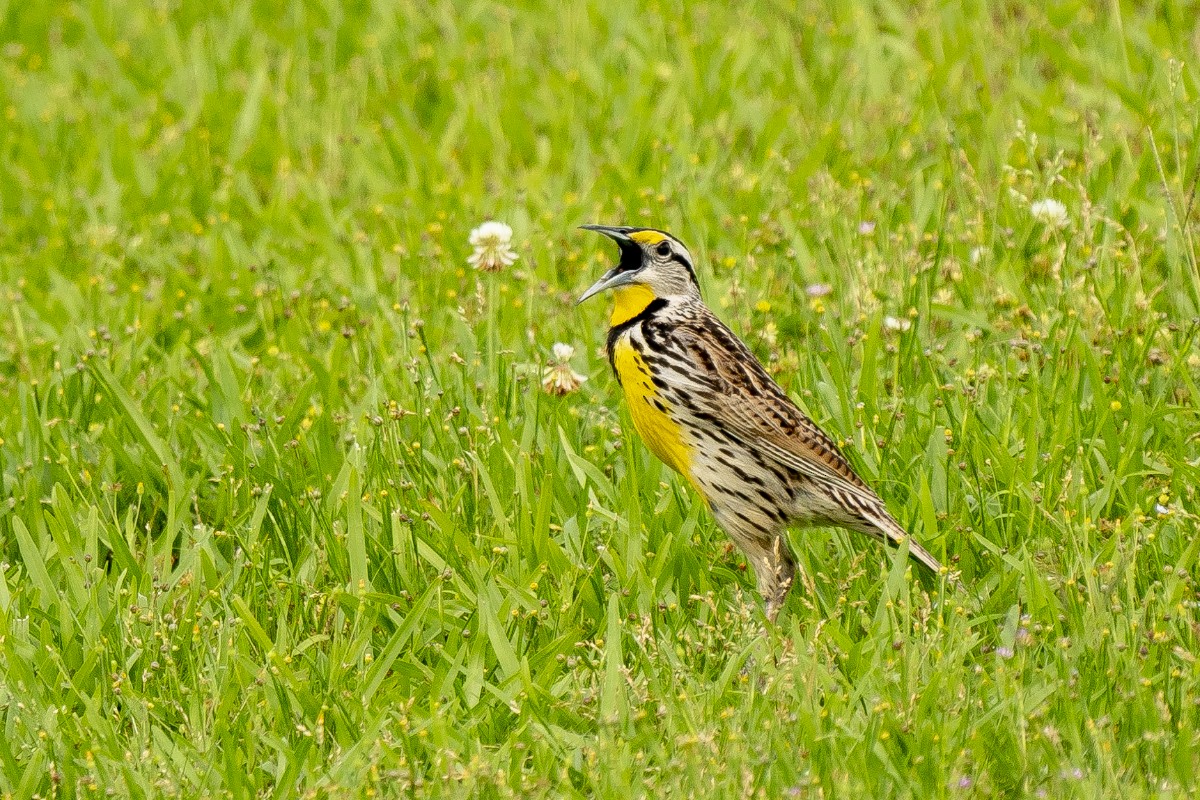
{"x":286,"y":510}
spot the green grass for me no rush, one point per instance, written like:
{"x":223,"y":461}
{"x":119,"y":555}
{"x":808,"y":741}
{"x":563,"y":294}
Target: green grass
{"x":286,"y":509}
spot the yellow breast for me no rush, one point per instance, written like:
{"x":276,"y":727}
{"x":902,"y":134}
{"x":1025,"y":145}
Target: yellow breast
{"x":651,"y":414}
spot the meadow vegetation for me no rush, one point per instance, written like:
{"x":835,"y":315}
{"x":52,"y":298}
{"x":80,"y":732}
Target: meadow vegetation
{"x":287,"y":512}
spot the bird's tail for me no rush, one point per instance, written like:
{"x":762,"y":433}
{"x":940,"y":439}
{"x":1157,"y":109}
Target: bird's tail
{"x":884,"y":525}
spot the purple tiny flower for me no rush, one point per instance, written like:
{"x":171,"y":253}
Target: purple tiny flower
{"x":866,"y":227}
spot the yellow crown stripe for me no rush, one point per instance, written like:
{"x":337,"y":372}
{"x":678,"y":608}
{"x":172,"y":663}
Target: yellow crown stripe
{"x":648,"y":238}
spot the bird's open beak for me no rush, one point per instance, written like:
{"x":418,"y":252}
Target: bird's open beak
{"x":620,"y":275}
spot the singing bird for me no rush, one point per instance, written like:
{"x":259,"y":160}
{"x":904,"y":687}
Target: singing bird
{"x":705,"y":406}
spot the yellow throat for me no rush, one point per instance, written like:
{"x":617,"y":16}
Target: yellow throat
{"x":630,"y":301}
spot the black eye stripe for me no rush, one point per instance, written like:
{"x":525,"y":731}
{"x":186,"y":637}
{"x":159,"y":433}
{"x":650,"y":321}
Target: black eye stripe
{"x":682,"y":259}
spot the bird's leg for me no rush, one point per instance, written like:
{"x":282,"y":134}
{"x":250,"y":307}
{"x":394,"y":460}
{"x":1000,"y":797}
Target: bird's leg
{"x":785,"y":571}
{"x":764,"y":574}
{"x":774,"y":570}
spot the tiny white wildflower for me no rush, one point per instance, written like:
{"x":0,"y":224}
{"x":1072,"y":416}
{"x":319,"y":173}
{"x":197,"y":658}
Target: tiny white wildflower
{"x":1051,"y":212}
{"x":770,"y":334}
{"x":896,"y":323}
{"x":818,"y":289}
{"x":493,"y":251}
{"x":866,"y":227}
{"x":559,"y":378}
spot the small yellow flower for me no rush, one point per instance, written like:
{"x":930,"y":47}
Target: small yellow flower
{"x":559,"y":378}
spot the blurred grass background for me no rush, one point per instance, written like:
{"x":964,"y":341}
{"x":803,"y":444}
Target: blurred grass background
{"x":287,"y":512}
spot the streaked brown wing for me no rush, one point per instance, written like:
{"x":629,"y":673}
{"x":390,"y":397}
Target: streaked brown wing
{"x":755,"y":408}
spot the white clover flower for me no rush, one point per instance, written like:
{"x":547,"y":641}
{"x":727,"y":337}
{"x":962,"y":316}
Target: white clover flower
{"x":492,"y":242}
{"x":559,"y":378}
{"x":1051,"y":212}
{"x":818,"y":289}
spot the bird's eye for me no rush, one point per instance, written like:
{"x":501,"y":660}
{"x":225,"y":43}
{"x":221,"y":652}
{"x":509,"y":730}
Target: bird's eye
{"x":664,"y":249}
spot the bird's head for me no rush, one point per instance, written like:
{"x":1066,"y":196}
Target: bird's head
{"x":653,"y":265}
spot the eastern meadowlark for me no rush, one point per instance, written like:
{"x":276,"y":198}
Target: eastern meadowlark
{"x":705,"y":406}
